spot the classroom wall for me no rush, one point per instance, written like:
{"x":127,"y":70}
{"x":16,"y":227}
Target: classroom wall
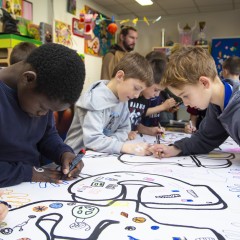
{"x":221,"y":24}
{"x":48,"y":10}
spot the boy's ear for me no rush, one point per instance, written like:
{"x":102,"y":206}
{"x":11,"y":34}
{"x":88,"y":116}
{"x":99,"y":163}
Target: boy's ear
{"x":120,"y":75}
{"x":29,"y":78}
{"x":205,"y":81}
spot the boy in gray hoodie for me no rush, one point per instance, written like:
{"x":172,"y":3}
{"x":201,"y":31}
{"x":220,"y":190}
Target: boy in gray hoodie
{"x":192,"y":75}
{"x":101,"y":120}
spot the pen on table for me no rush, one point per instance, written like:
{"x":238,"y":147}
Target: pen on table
{"x":162,"y":133}
{"x":158,"y":140}
{"x":76,"y":160}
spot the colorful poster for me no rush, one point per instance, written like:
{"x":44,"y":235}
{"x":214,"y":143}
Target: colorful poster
{"x":97,"y":39}
{"x":13,"y":6}
{"x":223,"y":48}
{"x":63,"y":33}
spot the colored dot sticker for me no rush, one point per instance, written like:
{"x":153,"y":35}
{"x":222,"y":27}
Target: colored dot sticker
{"x":154,"y":227}
{"x":130,"y":228}
{"x":56,"y":205}
{"x":40,"y":208}
{"x":139,"y":219}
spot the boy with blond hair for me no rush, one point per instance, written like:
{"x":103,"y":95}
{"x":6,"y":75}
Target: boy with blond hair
{"x":192,"y":75}
{"x":101,"y":119}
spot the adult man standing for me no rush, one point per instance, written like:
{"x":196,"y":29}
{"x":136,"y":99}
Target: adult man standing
{"x":127,"y":40}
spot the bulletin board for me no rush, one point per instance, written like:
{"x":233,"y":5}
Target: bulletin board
{"x":222,"y":48}
{"x":98,"y":40}
{"x":133,"y":198}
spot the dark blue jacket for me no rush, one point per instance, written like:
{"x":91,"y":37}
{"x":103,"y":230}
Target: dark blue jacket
{"x":24,"y":139}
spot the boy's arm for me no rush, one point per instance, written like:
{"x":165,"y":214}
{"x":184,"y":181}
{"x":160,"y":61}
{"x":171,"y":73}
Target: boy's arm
{"x":13,"y":173}
{"x":162,"y":107}
{"x":211,"y":134}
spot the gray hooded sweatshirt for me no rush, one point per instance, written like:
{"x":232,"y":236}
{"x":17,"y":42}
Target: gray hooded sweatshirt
{"x":101,"y":122}
{"x":216,"y":127}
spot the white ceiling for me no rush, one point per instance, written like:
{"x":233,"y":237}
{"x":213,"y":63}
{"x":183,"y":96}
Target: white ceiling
{"x":131,"y":8}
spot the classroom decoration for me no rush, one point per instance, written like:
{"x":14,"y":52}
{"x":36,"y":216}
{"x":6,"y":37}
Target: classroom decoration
{"x":202,"y":35}
{"x":33,"y":31}
{"x":63,"y":33}
{"x":186,"y":34}
{"x":97,"y":37}
{"x":71,"y":6}
{"x":133,"y":197}
{"x":46,"y":32}
{"x":27,"y":10}
{"x":112,"y":28}
{"x":78,"y":27}
{"x":13,"y":7}
{"x":8,"y":23}
{"x":222,"y":48}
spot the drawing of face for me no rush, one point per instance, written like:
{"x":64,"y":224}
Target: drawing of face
{"x":85,"y":212}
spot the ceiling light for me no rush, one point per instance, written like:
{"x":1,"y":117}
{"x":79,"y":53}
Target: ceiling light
{"x":144,"y":2}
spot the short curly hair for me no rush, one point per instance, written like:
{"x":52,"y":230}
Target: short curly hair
{"x":60,"y":72}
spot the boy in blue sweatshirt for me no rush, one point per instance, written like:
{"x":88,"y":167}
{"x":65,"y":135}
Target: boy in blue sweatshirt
{"x":50,"y":79}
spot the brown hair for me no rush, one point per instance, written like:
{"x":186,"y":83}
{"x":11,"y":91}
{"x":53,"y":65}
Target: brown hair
{"x":186,"y":65}
{"x":232,"y":64}
{"x":21,"y":51}
{"x":125,"y":30}
{"x":135,"y":66}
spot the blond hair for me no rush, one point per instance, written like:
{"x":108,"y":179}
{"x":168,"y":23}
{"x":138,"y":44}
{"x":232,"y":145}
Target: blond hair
{"x":186,"y":65}
{"x":135,"y":66}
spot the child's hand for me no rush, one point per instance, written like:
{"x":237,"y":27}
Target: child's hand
{"x":189,"y":129}
{"x":156,"y":130}
{"x":66,"y":160}
{"x":3,"y":210}
{"x":132,"y":135}
{"x":169,"y":103}
{"x":46,"y":175}
{"x":161,"y":151}
{"x":140,"y":148}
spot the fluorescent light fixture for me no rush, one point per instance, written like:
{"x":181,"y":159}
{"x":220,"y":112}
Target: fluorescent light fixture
{"x":144,"y":2}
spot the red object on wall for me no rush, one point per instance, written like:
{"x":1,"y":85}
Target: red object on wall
{"x":112,"y":28}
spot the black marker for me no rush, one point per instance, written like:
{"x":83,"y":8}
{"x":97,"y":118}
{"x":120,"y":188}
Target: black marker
{"x":77,"y":160}
{"x":178,"y":104}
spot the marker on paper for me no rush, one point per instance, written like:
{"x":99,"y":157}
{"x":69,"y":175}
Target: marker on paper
{"x":190,"y":123}
{"x":162,"y":134}
{"x":77,"y":160}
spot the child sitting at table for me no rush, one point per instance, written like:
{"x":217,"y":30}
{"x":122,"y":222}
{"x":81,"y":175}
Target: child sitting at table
{"x":101,"y":119}
{"x":192,"y":75}
{"x":50,"y":79}
{"x":139,"y":107}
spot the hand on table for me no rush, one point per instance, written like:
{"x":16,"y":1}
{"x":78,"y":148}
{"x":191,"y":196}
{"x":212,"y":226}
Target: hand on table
{"x":164,"y":151}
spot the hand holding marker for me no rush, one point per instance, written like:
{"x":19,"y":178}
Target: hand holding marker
{"x":77,"y":159}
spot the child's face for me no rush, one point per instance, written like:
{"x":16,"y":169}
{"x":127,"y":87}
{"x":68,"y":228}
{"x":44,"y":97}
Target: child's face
{"x":196,"y":96}
{"x":37,"y":105}
{"x":152,"y":91}
{"x":129,"y":88}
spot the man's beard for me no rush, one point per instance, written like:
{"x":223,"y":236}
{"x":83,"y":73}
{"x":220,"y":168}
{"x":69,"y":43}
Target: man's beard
{"x":127,"y":47}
